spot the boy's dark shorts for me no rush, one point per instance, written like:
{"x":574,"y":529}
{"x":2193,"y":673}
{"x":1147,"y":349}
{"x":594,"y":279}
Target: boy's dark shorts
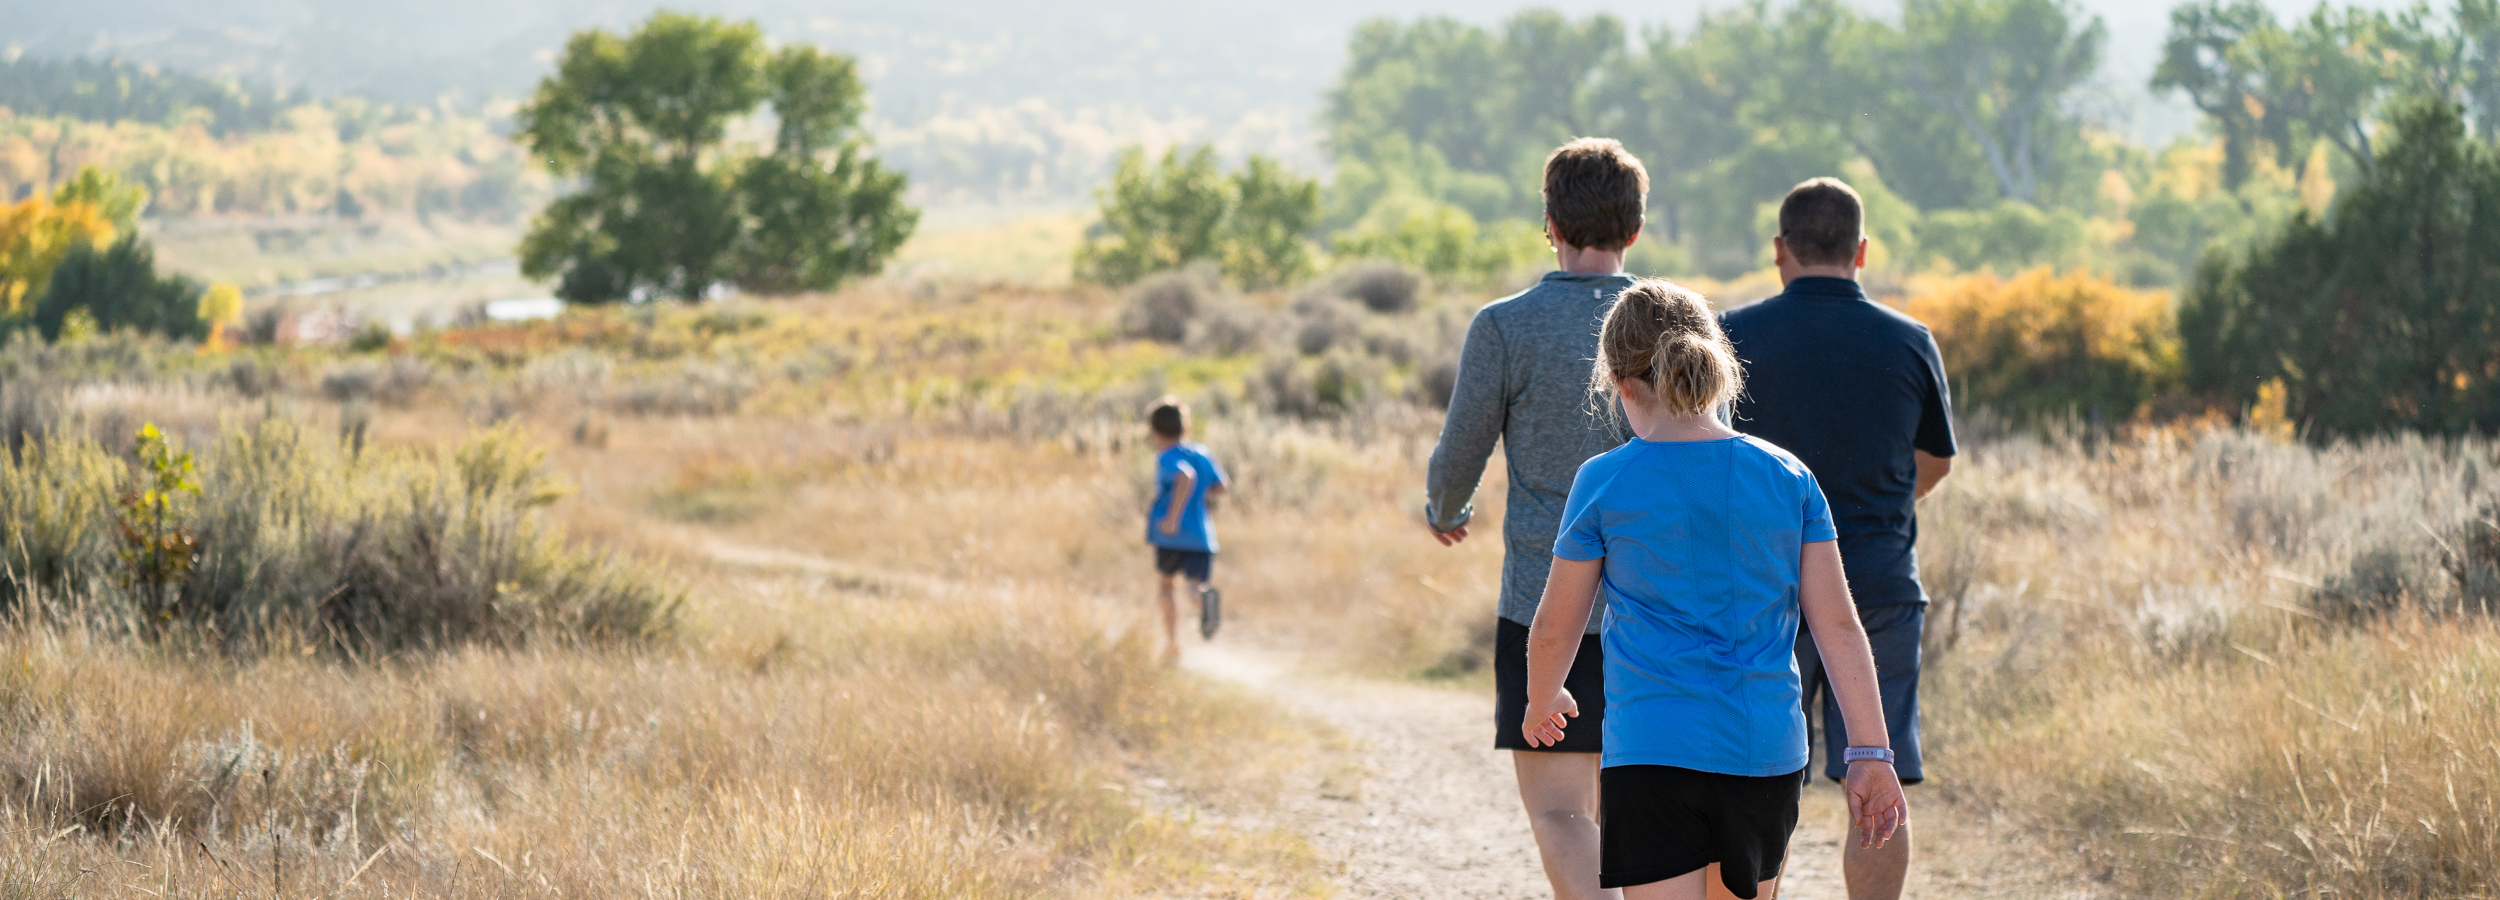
{"x":1197,"y":565}
{"x":1586,"y":682}
{"x":1663,"y":821}
{"x":1893,"y":632}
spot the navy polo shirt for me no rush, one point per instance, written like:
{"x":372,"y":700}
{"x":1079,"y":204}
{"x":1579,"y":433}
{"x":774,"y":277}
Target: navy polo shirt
{"x":1849,"y":386}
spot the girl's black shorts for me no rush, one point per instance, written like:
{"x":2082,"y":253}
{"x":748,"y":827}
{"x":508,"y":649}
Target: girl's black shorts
{"x":1662,"y":821}
{"x":1586,"y":681}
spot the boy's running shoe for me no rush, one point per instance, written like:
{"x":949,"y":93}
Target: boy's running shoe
{"x":1210,"y":611}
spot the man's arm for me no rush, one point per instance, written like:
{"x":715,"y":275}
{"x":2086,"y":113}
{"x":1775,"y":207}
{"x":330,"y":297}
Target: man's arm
{"x":1478,"y":408}
{"x":1931,"y":469}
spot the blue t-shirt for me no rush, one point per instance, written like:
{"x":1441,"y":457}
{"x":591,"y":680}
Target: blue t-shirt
{"x":1850,"y":386}
{"x":1196,"y":533}
{"x":1702,"y":541}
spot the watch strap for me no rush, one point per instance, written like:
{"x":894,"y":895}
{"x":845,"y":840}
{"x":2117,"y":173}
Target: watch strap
{"x":1855,"y":754}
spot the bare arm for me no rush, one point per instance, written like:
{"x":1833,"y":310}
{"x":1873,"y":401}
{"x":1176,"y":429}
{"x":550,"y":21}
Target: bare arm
{"x":1873,"y":788}
{"x":1553,"y":641}
{"x":1931,"y":470}
{"x":1181,"y":486}
{"x":1215,"y":492}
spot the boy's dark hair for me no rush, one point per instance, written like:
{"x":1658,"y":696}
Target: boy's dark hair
{"x":1168,"y":418}
{"x":1822,"y":221}
{"x":1595,"y":190}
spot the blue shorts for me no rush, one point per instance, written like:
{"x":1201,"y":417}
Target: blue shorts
{"x":1198,"y":565}
{"x":1893,"y":633}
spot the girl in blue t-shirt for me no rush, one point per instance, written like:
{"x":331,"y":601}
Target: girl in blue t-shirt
{"x":1710,"y":546}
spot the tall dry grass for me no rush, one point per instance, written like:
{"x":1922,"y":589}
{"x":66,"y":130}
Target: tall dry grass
{"x":808,"y":741}
{"x":2137,"y":651}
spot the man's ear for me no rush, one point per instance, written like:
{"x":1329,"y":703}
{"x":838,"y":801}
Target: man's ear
{"x":1860,"y":260}
{"x":1779,"y":251}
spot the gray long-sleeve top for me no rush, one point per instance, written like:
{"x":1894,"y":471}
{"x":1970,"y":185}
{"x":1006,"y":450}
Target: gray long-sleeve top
{"x":1523,"y":379}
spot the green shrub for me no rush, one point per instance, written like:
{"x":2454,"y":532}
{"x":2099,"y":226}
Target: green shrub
{"x":1182,"y":210}
{"x":280,"y":536}
{"x":118,"y":286}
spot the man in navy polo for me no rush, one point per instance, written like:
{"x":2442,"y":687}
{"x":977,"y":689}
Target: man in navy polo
{"x":1857,"y":391}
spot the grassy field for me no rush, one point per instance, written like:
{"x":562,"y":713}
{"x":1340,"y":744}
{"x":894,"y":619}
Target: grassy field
{"x":912,"y":659}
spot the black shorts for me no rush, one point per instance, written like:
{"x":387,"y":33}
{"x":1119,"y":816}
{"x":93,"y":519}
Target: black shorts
{"x":1661,"y":822}
{"x":1199,"y":565}
{"x":1586,"y":682}
{"x":1893,"y":633}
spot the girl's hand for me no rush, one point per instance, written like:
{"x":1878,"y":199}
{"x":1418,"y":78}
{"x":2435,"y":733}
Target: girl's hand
{"x":1544,"y":725}
{"x":1876,"y":806}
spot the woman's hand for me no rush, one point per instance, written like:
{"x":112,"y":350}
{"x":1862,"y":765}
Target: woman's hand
{"x":1876,"y":806}
{"x":1545,"y":722}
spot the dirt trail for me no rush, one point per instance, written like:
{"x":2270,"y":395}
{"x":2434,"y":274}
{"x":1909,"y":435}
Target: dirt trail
{"x":1430,"y":809}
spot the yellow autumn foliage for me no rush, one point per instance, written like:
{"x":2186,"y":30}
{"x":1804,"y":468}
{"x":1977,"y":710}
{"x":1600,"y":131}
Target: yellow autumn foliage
{"x":2044,"y":344}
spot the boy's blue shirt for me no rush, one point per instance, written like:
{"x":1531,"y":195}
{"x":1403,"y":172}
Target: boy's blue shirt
{"x":1196,"y":533}
{"x":1701,"y":543}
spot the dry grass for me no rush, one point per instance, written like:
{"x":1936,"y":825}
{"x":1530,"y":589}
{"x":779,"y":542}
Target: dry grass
{"x":2131,"y":656}
{"x":811,"y":740}
{"x":927,"y":663}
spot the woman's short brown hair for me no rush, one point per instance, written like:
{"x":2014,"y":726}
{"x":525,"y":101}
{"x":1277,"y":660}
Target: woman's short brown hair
{"x":1595,"y":191}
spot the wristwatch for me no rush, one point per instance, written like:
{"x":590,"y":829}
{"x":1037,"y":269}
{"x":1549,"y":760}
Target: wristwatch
{"x":1880,"y":754}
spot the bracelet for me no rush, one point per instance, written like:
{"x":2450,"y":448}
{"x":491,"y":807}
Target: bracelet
{"x":1878,"y":754}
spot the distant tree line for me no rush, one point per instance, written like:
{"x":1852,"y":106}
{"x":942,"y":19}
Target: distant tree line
{"x":113,"y":90}
{"x":1957,"y":118}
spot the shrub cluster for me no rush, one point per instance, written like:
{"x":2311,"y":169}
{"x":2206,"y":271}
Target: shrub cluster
{"x":273,"y":535}
{"x":1345,"y":341}
{"x":2043,"y":345}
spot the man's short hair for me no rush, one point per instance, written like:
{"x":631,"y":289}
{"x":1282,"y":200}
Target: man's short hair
{"x":1168,"y":418}
{"x":1822,"y":221}
{"x":1595,"y":190}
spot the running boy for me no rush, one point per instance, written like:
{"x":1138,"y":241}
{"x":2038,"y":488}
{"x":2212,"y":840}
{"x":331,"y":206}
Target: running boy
{"x":1187,"y":481}
{"x":1710,"y":546}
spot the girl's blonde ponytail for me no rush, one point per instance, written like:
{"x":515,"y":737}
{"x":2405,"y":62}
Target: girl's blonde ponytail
{"x":1666,"y":337}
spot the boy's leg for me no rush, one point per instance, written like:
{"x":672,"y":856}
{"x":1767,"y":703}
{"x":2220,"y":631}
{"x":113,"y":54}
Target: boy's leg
{"x":1171,"y":614}
{"x":1560,"y":792}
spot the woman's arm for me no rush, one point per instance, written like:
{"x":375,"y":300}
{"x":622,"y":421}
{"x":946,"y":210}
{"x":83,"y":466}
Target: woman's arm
{"x":1553,"y":640}
{"x":1873,"y":788}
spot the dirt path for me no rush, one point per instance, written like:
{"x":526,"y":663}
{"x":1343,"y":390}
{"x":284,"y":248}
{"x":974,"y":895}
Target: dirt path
{"x":1423,"y":806}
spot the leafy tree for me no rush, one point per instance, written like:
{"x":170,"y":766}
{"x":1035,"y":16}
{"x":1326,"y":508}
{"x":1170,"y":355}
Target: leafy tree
{"x":664,"y":207}
{"x":118,"y":287}
{"x":37,"y":233}
{"x":1268,"y":238}
{"x":818,"y":208}
{"x":1184,"y":209}
{"x":2206,"y":56}
{"x":1998,"y":68}
{"x":2383,"y":315}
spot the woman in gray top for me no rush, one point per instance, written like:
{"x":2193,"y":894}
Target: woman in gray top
{"x":1523,"y":379}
